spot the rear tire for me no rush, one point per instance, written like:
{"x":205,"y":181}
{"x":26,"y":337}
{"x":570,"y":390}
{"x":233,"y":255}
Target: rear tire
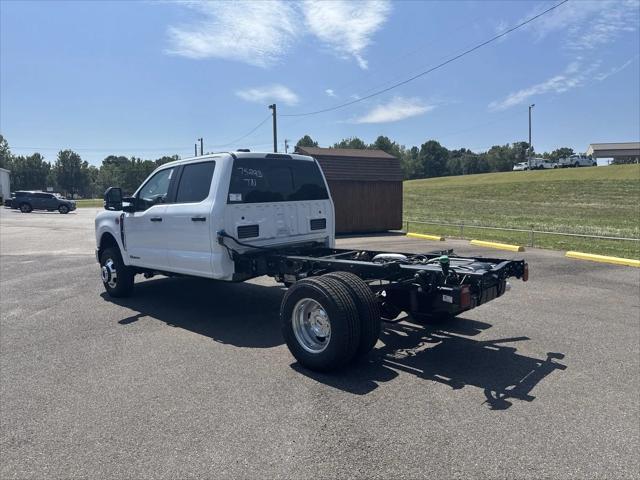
{"x":117,"y":278}
{"x":25,"y":208}
{"x":368,"y":311}
{"x":63,"y":209}
{"x":320,"y":323}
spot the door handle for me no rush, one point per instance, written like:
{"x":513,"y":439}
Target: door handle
{"x":198,"y":219}
{"x":156,"y":219}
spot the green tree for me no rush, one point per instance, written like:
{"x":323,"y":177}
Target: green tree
{"x":433,"y":159}
{"x":410,"y":163}
{"x":387,"y":145}
{"x":71,"y":173}
{"x":29,"y":172}
{"x":351,"y":142}
{"x":5,"y":153}
{"x":559,"y":153}
{"x":306,"y":141}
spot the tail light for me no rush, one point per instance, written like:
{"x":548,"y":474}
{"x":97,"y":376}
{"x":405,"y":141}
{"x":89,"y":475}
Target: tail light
{"x":465,"y":296}
{"x":525,"y":273}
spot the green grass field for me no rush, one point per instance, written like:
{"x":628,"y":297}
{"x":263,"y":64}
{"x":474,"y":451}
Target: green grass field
{"x":90,"y":202}
{"x":594,"y":200}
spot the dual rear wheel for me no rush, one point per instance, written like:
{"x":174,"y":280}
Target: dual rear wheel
{"x":330,"y":320}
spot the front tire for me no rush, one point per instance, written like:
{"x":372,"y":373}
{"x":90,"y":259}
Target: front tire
{"x":320,"y":323}
{"x":63,"y":209}
{"x":117,"y":278}
{"x":25,"y":208}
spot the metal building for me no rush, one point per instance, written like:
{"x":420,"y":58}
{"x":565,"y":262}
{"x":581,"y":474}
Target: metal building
{"x":366,"y":187}
{"x":627,"y":152}
{"x":5,"y":187}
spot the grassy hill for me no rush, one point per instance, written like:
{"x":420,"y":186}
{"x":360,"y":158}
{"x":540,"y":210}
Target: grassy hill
{"x":594,"y":200}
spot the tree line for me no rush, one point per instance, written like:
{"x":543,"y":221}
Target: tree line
{"x":433,"y":160}
{"x":72,"y":176}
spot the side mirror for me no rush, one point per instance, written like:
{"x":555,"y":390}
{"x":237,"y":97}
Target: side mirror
{"x":129,"y":204}
{"x":113,"y":198}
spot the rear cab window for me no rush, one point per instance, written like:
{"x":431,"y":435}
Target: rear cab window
{"x":195,"y":182}
{"x":267,"y":180}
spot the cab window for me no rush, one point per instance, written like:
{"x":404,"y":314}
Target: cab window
{"x":155,"y":190}
{"x":195,"y":182}
{"x":265,"y":180}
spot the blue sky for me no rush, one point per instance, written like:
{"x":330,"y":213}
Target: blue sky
{"x":149,"y":78}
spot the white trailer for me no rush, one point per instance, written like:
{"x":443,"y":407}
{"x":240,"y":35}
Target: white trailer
{"x":5,"y":186}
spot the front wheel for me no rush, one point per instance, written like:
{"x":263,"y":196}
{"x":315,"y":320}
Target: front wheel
{"x":117,"y":278}
{"x":63,"y":209}
{"x":320,"y":323}
{"x":25,"y":208}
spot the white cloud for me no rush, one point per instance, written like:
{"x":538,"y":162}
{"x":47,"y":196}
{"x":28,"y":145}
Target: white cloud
{"x":269,"y":93}
{"x":575,"y":75}
{"x":260,"y":33}
{"x":396,"y":109}
{"x":257,"y":33}
{"x":604,"y":75}
{"x":587,"y":24}
{"x":346,"y":26}
{"x":330,"y":92}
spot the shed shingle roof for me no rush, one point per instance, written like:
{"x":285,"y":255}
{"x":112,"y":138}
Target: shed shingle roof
{"x":355,"y":164}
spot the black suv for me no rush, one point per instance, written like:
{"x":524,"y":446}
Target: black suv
{"x":28,"y":201}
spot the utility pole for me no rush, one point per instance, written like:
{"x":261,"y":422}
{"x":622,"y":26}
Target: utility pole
{"x":275,"y":129}
{"x":201,"y":146}
{"x":286,"y":146}
{"x":530,"y":146}
{"x":195,"y":149}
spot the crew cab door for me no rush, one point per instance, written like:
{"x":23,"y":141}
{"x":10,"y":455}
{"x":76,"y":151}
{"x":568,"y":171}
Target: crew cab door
{"x":145,"y":229}
{"x":188,"y":221}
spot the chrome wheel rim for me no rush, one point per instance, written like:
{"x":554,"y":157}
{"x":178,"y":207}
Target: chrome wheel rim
{"x":311,"y":325}
{"x":109,"y":274}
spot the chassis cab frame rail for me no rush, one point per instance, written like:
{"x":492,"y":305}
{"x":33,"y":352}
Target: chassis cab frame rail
{"x":420,"y":285}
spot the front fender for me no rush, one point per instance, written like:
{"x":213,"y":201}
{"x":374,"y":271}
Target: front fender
{"x":108,"y":222}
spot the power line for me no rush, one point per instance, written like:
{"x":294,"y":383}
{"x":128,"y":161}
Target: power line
{"x":244,"y":136}
{"x":432,"y":69}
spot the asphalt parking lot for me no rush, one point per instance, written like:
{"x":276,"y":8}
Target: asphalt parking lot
{"x":191,"y":378}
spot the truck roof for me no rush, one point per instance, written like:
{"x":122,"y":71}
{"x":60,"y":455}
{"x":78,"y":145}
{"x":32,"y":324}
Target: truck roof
{"x":265,"y":155}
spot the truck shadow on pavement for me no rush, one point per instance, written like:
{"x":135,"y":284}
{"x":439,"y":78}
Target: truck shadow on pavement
{"x":240,"y":314}
{"x":246,"y":315}
{"x":443,"y":353}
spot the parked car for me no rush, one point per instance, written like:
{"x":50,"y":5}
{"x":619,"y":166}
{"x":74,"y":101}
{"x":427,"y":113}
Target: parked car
{"x":27,"y":201}
{"x":521,"y":166}
{"x":578,"y":161}
{"x":535,"y":164}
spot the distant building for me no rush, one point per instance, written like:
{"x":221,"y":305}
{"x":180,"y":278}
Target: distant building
{"x":366,"y":187}
{"x":5,"y":186}
{"x":626,"y":152}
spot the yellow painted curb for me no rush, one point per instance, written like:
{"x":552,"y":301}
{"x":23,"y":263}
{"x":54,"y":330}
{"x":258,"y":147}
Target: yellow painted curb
{"x":500,"y":246}
{"x":426,"y":237}
{"x":604,"y":259}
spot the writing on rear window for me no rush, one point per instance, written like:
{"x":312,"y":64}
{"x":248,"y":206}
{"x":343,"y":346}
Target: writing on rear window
{"x":260,"y":180}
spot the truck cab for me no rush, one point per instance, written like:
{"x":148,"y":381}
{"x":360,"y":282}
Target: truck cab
{"x":172,"y":223}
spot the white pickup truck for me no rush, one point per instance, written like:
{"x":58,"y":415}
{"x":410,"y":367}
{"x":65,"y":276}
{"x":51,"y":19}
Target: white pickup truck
{"x":577,"y":160}
{"x":239,"y":215}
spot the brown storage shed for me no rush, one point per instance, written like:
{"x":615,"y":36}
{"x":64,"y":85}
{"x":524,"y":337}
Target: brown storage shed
{"x":366,"y":187}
